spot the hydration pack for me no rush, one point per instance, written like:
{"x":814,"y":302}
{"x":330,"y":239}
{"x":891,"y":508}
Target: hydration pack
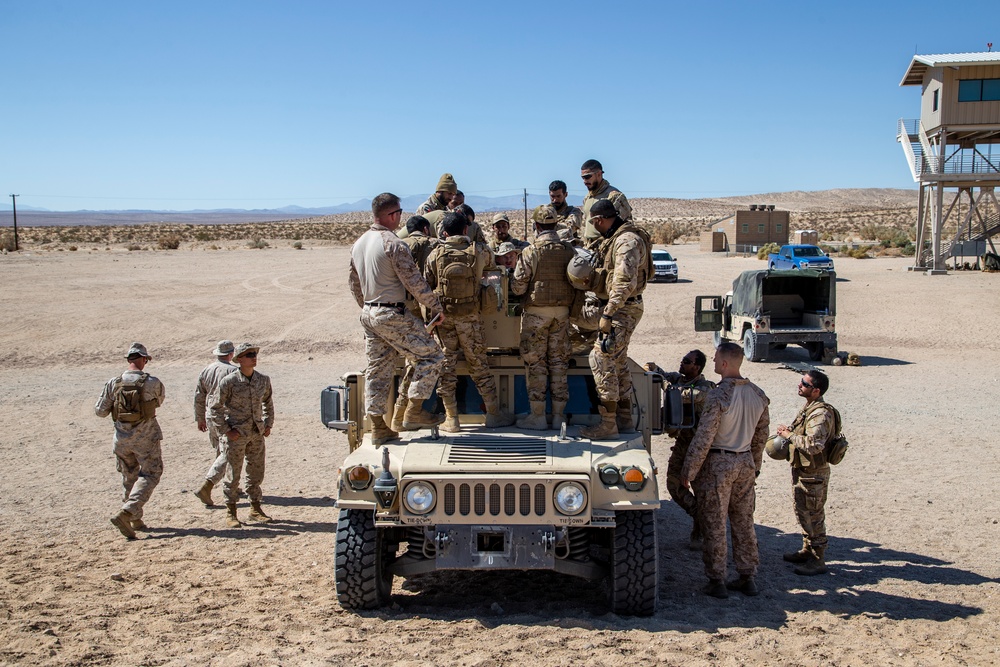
{"x":127,"y":405}
{"x":458,"y":285}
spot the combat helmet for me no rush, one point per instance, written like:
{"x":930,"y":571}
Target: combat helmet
{"x":580,"y":270}
{"x":777,"y":448}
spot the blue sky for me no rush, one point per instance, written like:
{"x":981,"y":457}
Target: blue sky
{"x":193,"y":105}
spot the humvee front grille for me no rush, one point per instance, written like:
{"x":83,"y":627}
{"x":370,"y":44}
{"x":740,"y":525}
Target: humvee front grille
{"x":508,"y":498}
{"x":491,"y":449}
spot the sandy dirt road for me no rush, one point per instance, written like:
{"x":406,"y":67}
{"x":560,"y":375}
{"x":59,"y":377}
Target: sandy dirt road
{"x":913,"y":512}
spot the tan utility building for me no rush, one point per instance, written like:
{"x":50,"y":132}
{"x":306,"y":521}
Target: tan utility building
{"x":747,"y":230}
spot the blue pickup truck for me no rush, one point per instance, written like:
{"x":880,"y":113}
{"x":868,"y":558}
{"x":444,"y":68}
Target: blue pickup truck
{"x":799,"y":257}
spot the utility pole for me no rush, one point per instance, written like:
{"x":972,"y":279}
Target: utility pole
{"x":525,"y":200}
{"x":13,"y":201}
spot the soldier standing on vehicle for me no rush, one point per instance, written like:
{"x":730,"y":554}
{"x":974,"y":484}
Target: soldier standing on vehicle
{"x":814,"y":426}
{"x":455,"y":273}
{"x":443,"y":193}
{"x":570,"y":217}
{"x":722,"y":464}
{"x":626,"y":265}
{"x":597,"y":188}
{"x":541,"y":275}
{"x":694,"y":387}
{"x":382,"y":272}
{"x":501,"y":234}
{"x":208,"y":382}
{"x":131,"y":399}
{"x":420,"y":243}
{"x":243,"y":413}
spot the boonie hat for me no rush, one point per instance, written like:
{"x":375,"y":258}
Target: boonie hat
{"x":243,"y":348}
{"x":506,"y":247}
{"x":603,"y":208}
{"x":137,"y":350}
{"x":223,"y":347}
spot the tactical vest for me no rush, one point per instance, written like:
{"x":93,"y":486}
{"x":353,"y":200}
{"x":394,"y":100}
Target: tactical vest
{"x":457,"y":283}
{"x":127,"y":404}
{"x":606,"y":260}
{"x":801,"y":459}
{"x":549,"y":286}
{"x":420,"y":247}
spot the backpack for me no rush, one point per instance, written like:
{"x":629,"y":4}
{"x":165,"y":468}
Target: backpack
{"x":458,"y":285}
{"x":836,"y":448}
{"x":127,"y":404}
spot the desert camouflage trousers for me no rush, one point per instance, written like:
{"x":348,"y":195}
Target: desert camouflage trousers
{"x":725,"y":490}
{"x":140,"y":463}
{"x":611,"y":374}
{"x":252,"y":449}
{"x":681,"y":495}
{"x":463,"y":335}
{"x":809,"y":489}
{"x":545,"y":351}
{"x":390,"y":332}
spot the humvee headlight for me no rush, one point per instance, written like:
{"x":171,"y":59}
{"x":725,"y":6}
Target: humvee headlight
{"x":570,"y":498}
{"x":633,"y":478}
{"x":419,"y":498}
{"x":359,"y":477}
{"x":610,"y":475}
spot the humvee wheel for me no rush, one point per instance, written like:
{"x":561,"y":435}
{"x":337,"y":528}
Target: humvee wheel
{"x":360,"y":564}
{"x":750,"y":347}
{"x":633,"y":582}
{"x":815,"y":351}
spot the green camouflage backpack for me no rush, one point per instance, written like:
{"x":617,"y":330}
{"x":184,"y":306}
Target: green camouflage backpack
{"x":836,"y":448}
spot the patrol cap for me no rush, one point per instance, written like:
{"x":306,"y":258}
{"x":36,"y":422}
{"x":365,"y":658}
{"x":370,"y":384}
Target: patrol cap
{"x":501,"y":217}
{"x":506,"y":247}
{"x":446,"y":184}
{"x":545,"y":214}
{"x":137,"y":350}
{"x":243,"y":348}
{"x":603,"y":208}
{"x":223,"y":347}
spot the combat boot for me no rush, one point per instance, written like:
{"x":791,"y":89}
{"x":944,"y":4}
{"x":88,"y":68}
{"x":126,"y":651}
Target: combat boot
{"x":416,"y":418}
{"x":497,"y":418}
{"x":380,"y":432}
{"x":558,"y":414}
{"x":451,"y":423}
{"x":623,"y":417}
{"x":256,"y":513}
{"x":607,"y":429}
{"x":716,"y":588}
{"x":815,"y":565}
{"x":696,"y":541}
{"x":231,"y":520}
{"x":800,"y":556}
{"x":745,"y":584}
{"x":397,"y":414}
{"x":204,"y":494}
{"x":536,"y":420}
{"x":138,"y":524}
{"x":123,"y":522}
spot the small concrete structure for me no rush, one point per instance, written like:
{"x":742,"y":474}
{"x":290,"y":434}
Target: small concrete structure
{"x":747,"y":230}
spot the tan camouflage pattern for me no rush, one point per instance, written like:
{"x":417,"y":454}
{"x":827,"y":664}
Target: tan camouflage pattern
{"x":250,"y":449}
{"x":420,"y":246}
{"x":495,"y":241}
{"x":545,"y":351}
{"x":541,"y":272}
{"x":570,"y":217}
{"x":724,"y":482}
{"x":136,"y":446}
{"x":474,"y":232}
{"x":404,"y":267}
{"x":208,"y":382}
{"x":463,"y":335}
{"x":611,"y":375}
{"x":390,"y":332}
{"x":694,"y":390}
{"x":813,"y":427}
{"x":433,"y":203}
{"x":243,"y":404}
{"x":603,"y":190}
{"x":625,"y":261}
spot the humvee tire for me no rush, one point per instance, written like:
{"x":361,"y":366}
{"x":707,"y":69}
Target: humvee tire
{"x":751,"y":349}
{"x":633,"y":582}
{"x":360,"y":564}
{"x":815,"y":351}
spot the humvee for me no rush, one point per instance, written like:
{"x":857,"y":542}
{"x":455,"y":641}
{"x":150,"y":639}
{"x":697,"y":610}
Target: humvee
{"x":501,"y":499}
{"x":771,"y":309}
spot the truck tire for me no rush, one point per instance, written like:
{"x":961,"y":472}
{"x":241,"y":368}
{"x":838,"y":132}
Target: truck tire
{"x":815,"y":351}
{"x":633,"y":582}
{"x":360,"y":564}
{"x":751,"y":349}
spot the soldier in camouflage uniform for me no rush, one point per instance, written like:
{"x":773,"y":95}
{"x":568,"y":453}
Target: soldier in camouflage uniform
{"x":208,"y":382}
{"x":626,"y":264}
{"x":420,"y":243}
{"x":570,"y":217}
{"x":597,"y":188}
{"x":137,"y":435}
{"x":506,"y":256}
{"x":722,"y":463}
{"x":455,"y":273}
{"x":694,"y":387}
{"x":243,"y":413}
{"x":455,"y":200}
{"x":382,"y":272}
{"x":808,"y":435}
{"x":439,"y":201}
{"x":501,"y":234}
{"x":541,"y":276}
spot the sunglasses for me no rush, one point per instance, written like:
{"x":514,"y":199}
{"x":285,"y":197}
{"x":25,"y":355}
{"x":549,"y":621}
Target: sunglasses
{"x":689,"y":362}
{"x":250,"y":355}
{"x":806,"y":384}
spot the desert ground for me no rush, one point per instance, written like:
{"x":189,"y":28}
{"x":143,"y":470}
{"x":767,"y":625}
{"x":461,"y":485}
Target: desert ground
{"x":913,"y":511}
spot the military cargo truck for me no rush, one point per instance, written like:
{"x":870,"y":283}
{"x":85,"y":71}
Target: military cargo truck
{"x":772,"y":309}
{"x":501,"y":499}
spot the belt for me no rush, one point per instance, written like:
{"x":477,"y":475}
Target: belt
{"x":725,"y":451}
{"x":386,"y":304}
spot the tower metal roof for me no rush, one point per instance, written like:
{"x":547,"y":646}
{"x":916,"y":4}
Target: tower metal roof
{"x":920,"y":64}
